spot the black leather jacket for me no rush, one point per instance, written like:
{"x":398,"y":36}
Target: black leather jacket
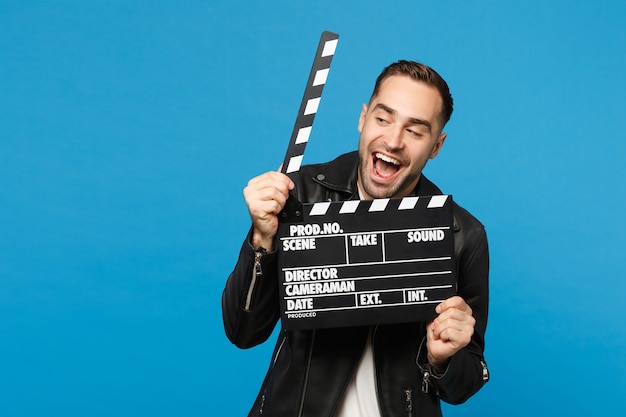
{"x":310,"y":369}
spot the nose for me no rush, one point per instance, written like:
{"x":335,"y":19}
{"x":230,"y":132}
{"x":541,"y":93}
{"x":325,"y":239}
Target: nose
{"x":393,"y":139}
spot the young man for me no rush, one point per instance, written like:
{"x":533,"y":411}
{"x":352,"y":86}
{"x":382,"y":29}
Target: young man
{"x":385,"y":370}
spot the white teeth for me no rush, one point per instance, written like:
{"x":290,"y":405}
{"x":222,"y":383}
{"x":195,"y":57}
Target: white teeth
{"x":387,"y":159}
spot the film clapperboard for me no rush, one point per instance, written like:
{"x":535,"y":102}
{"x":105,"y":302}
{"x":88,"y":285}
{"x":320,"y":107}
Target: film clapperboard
{"x":359,"y":262}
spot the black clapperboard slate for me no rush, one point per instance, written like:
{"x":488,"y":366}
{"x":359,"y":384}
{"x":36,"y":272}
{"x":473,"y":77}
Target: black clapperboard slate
{"x":362,"y":262}
{"x":359,"y":262}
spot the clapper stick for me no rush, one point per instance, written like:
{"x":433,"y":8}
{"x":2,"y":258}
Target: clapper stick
{"x":310,"y":102}
{"x":304,"y":121}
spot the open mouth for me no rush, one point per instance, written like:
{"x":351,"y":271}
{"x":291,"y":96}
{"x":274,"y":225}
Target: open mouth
{"x":385,"y":166}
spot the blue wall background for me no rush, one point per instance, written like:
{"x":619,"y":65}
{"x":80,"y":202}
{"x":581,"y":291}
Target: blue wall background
{"x":128,"y":130}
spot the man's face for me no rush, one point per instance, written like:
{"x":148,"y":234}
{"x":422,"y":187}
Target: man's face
{"x":400,"y":131}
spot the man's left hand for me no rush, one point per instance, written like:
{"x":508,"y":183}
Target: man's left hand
{"x":450,"y":332}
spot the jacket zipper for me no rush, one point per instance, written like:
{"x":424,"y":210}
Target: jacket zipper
{"x":425,"y":377}
{"x":425,"y":370}
{"x":485,"y":371}
{"x":257,"y":271}
{"x":306,"y":374}
{"x":280,"y":347}
{"x":408,"y":392}
{"x":409,"y":402}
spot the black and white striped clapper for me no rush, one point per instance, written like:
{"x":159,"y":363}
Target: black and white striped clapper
{"x":310,"y":102}
{"x":357,"y":262}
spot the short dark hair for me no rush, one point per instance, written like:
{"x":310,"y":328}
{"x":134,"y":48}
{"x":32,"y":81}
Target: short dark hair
{"x":422,"y":73}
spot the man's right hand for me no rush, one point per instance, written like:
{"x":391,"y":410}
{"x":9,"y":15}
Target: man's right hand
{"x":266,"y":196}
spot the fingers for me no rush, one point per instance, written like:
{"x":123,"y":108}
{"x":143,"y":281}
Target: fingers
{"x":267,"y":193}
{"x":453,"y":302}
{"x":265,"y":197}
{"x":452,"y":330}
{"x":271,"y":178}
{"x":455,"y":321}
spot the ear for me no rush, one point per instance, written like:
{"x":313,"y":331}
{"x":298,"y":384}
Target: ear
{"x":438,"y":145}
{"x":362,"y":117}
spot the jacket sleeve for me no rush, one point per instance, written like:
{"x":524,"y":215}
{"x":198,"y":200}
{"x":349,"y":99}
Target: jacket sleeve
{"x":250,"y":306}
{"x":467,"y":370}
